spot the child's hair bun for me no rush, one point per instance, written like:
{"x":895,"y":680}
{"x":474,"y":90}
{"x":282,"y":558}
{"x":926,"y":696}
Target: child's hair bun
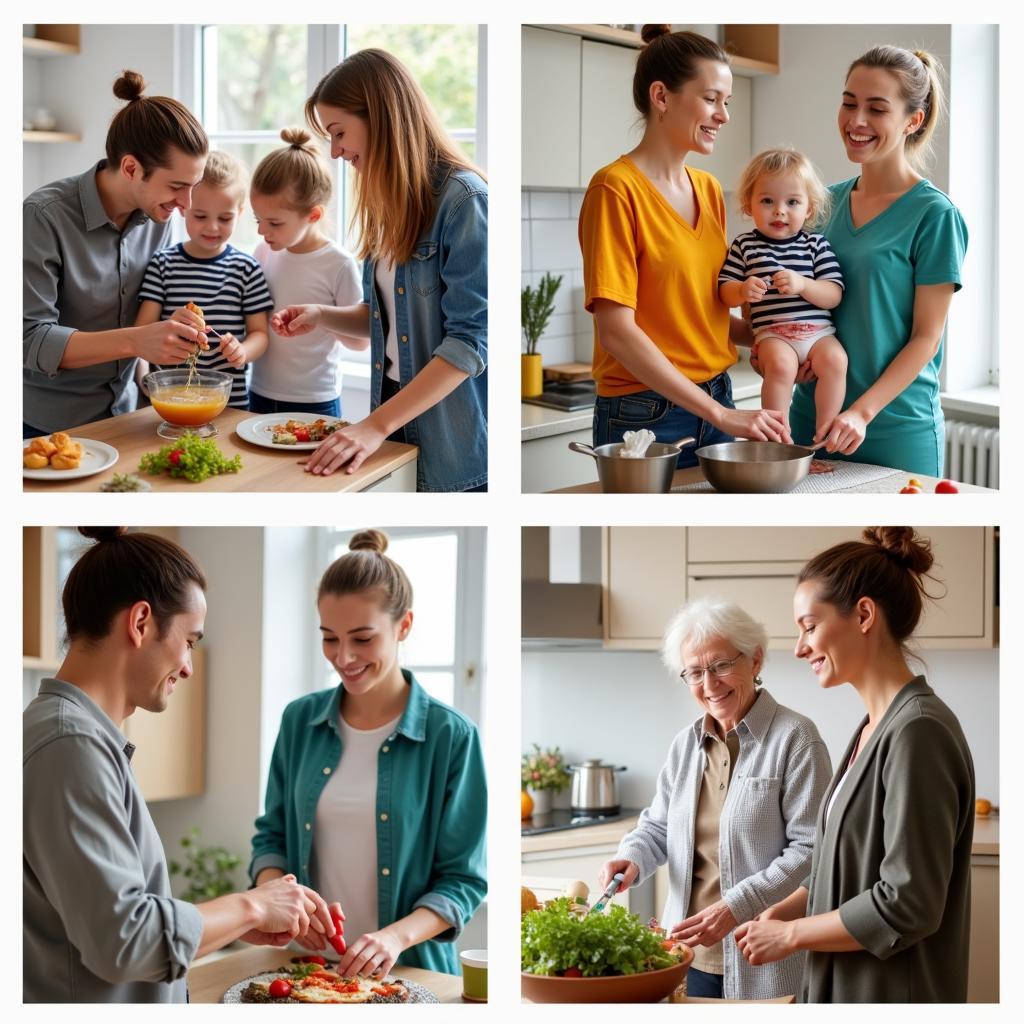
{"x":903,"y":545}
{"x":130,"y":86}
{"x":369,"y":540}
{"x":648,"y":33}
{"x":297,"y":137}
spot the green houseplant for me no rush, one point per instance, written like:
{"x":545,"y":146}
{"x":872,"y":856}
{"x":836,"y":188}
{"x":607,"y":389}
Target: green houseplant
{"x":207,"y":868}
{"x":544,"y":773}
{"x":537,"y":307}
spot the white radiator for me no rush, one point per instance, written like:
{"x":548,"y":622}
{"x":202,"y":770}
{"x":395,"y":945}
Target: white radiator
{"x":972,"y":453}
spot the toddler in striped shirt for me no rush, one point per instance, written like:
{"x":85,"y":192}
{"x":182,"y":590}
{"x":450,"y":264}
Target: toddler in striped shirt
{"x":226,"y":283}
{"x":790,"y":279}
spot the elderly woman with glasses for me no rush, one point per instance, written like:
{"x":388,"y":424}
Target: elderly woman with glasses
{"x":734,"y":812}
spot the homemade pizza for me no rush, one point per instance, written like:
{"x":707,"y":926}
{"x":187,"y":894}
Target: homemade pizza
{"x":311,"y":980}
{"x":296,"y":431}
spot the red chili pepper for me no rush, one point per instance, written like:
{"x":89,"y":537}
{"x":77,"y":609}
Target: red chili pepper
{"x":336,"y":940}
{"x":175,"y":457}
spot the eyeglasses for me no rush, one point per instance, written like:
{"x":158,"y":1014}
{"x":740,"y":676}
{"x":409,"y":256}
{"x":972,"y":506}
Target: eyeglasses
{"x":695,"y":676}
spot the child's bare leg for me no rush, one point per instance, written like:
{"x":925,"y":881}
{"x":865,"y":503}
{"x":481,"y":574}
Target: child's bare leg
{"x":779,"y":363}
{"x":829,"y":362}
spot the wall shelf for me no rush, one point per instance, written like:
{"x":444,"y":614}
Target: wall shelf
{"x":37,"y":136}
{"x":754,"y":48}
{"x":53,"y":41}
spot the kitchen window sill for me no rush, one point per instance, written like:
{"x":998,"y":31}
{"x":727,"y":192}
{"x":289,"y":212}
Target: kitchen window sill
{"x":975,"y":403}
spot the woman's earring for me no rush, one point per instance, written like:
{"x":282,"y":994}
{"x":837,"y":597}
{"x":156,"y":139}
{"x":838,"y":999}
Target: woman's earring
{"x":661,"y":115}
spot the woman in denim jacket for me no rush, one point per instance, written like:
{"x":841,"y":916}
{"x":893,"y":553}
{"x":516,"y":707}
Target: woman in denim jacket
{"x":421,"y":210}
{"x":733,"y":815}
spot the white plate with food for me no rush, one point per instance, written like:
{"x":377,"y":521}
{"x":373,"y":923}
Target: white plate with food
{"x":288,"y":431}
{"x":327,"y":987}
{"x":96,"y":457}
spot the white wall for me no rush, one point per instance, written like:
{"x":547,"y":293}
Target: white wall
{"x":232,"y":561}
{"x":625,"y":708}
{"x":799,"y":106}
{"x":79,"y":92}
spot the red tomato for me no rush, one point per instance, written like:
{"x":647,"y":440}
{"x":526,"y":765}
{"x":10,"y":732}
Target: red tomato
{"x":911,"y":490}
{"x":946,"y":487}
{"x":280,"y":989}
{"x":175,"y":457}
{"x":312,"y":959}
{"x":572,"y":972}
{"x":301,"y":434}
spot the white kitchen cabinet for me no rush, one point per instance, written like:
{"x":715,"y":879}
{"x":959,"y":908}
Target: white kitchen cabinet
{"x":548,"y":463}
{"x":649,"y":573}
{"x":578,"y":113}
{"x":732,"y":147}
{"x":609,"y":123}
{"x":644,"y":576}
{"x":550,"y":109}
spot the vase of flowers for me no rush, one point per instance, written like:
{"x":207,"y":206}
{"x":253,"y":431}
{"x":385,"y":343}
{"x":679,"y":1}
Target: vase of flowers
{"x":543,"y":775}
{"x":538,"y":305}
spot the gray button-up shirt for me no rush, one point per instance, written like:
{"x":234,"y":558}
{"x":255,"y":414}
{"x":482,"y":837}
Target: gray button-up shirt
{"x":80,"y":273}
{"x":100,"y":925}
{"x":766,"y":832}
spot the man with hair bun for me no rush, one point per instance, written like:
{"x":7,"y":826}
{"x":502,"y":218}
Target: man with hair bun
{"x":87,"y":240}
{"x":100,"y":923}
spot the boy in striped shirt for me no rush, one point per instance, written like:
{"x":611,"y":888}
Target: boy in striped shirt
{"x":227,"y":284}
{"x":791,"y":279}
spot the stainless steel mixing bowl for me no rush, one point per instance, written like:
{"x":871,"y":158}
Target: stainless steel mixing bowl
{"x":651,"y":474}
{"x":754,"y":467}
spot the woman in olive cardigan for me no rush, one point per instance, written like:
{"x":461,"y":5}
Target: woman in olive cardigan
{"x":885,"y":912}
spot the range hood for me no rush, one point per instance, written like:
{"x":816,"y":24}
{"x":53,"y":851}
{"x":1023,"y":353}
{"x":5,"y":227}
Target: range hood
{"x":561,"y":589}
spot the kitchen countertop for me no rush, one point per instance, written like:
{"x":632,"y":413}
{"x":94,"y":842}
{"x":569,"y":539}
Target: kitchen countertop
{"x":986,"y":836}
{"x":889,"y":483}
{"x":574,"y":838}
{"x":538,"y":421}
{"x":263,"y":469}
{"x":207,"y":982}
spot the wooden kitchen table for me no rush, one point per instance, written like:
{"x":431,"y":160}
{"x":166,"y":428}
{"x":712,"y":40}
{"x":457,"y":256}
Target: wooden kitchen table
{"x":391,"y":468}
{"x":888,"y":485}
{"x":207,"y":982}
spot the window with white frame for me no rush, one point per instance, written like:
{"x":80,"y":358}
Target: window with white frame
{"x":444,"y":649}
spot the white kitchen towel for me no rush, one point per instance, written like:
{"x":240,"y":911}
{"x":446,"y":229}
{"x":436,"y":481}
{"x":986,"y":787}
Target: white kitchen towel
{"x":635,"y":443}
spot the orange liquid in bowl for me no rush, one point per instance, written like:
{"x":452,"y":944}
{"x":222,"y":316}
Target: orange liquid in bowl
{"x":189,"y":407}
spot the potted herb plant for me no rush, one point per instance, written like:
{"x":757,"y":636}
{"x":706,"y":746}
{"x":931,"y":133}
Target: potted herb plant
{"x":543,"y":774}
{"x":208,"y":869}
{"x":538,"y":304}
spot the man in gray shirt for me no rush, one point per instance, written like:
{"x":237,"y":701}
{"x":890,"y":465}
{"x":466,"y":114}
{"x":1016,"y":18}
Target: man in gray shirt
{"x":100,"y":923}
{"x":87,"y":240}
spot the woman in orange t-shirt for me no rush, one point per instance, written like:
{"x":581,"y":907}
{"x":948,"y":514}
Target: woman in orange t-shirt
{"x":653,"y":238}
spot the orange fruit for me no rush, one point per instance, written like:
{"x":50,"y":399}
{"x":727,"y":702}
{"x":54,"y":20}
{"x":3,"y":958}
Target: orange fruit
{"x":983,"y":807}
{"x":526,"y":802}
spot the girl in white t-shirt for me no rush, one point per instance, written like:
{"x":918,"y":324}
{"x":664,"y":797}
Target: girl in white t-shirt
{"x":290,"y":190}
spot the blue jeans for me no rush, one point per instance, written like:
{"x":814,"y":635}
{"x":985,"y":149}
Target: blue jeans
{"x":28,"y":432}
{"x":648,"y":410}
{"x":262,"y":404}
{"x":703,"y":985}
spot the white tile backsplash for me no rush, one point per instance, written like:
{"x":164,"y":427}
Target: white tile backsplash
{"x":551,"y":244}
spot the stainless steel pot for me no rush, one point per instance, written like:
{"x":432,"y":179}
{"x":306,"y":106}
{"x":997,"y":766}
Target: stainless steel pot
{"x":651,"y":474}
{"x":754,"y":467}
{"x":593,"y":788}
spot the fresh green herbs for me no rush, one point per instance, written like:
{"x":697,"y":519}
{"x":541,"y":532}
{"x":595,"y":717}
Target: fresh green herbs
{"x":124,"y":482}
{"x":190,"y":457}
{"x":554,"y":941}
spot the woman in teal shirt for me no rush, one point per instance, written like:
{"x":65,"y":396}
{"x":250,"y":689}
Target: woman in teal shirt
{"x":377,"y":797}
{"x":900,"y":242}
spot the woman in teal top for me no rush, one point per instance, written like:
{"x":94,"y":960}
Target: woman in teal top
{"x":900,"y":242}
{"x":420,"y":791}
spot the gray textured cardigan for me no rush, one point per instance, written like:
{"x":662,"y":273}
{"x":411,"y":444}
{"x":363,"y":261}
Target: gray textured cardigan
{"x":765,"y":833}
{"x":895,"y":859}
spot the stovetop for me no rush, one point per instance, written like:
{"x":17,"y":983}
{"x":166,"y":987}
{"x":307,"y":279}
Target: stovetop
{"x":569,"y":396}
{"x":559,"y":819}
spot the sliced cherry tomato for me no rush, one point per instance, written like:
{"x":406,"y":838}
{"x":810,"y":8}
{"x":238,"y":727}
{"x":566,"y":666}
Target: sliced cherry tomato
{"x":572,"y":972}
{"x":280,"y":989}
{"x":312,"y":959}
{"x":175,"y":457}
{"x":301,"y":434}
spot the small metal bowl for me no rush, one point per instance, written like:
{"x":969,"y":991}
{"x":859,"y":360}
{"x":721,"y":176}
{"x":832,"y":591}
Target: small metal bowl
{"x":651,"y":474}
{"x":754,"y":467}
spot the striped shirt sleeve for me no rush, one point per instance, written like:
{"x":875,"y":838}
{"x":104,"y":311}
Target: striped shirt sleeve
{"x":826,"y":266}
{"x":153,"y":288}
{"x":256,"y":296}
{"x":735,"y":267}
